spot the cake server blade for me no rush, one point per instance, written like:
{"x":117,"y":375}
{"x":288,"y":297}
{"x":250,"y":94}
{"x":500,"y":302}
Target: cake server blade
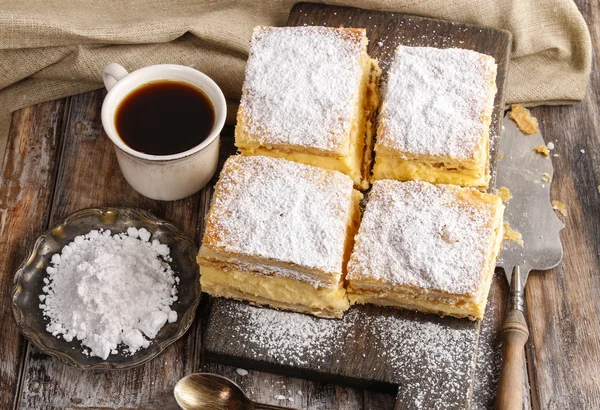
{"x":527,"y":174}
{"x":529,"y":211}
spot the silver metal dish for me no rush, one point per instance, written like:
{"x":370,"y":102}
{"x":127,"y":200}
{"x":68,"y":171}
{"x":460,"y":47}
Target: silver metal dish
{"x":28,"y":283}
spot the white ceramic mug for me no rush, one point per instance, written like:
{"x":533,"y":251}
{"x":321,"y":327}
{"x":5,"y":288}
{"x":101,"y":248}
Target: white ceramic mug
{"x":163,"y":177}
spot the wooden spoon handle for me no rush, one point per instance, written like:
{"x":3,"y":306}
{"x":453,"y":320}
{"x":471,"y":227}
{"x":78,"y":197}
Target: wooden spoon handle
{"x":514,"y":336}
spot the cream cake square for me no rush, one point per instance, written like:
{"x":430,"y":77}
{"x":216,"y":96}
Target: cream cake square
{"x":310,"y":95}
{"x":279,"y":233}
{"x":426,"y":247}
{"x":435,"y":117}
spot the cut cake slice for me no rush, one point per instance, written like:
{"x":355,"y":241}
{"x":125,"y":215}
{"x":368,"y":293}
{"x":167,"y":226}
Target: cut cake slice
{"x":426,"y":247}
{"x":310,"y":95}
{"x":279,"y":233}
{"x":435,"y":117}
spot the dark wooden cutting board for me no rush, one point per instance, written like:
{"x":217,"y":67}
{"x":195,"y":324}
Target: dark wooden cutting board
{"x":435,"y":362}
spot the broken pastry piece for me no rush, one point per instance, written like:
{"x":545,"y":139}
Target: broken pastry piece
{"x":560,"y":207}
{"x":435,"y":117}
{"x":542,"y":149}
{"x":279,"y":233}
{"x":426,"y":247}
{"x":310,"y":95}
{"x":504,"y":193}
{"x":511,"y":235}
{"x":522,"y":117}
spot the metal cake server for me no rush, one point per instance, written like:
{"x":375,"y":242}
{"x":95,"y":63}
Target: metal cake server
{"x":529,"y":212}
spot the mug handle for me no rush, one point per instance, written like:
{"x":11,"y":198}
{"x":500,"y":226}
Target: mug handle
{"x":111,"y":74}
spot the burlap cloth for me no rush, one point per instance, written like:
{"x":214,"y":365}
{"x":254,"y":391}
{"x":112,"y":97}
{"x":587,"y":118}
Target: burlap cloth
{"x":54,"y":48}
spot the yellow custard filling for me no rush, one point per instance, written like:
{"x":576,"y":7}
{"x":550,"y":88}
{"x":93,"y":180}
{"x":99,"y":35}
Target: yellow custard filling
{"x":281,"y":292}
{"x":387,"y":167}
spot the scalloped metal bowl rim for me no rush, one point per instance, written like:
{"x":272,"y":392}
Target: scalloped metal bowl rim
{"x":185,"y":322}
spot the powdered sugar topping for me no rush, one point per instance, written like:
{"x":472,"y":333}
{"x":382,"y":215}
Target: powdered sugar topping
{"x":302,"y":85}
{"x":281,"y":211}
{"x":438,"y":102}
{"x":422,"y":235}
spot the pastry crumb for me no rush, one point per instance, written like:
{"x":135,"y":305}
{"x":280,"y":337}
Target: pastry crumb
{"x":546,"y":177}
{"x":511,"y":235}
{"x":503,"y":193}
{"x":500,"y":156}
{"x":560,"y":207}
{"x":542,"y":149}
{"x":522,"y":117}
{"x":598,"y":188}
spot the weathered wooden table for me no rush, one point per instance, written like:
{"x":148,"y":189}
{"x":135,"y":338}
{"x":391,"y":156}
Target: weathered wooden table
{"x":58,"y":160}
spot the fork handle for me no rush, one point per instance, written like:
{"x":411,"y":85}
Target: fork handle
{"x":514,"y":336}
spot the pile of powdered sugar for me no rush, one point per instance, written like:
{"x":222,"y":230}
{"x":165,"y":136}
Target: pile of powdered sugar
{"x":105,"y":289}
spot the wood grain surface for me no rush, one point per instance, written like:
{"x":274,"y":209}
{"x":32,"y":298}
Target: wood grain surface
{"x":27,"y":179}
{"x":563,"y":351}
{"x":563,"y":304}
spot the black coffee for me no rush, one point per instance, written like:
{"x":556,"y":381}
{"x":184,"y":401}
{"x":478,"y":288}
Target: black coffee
{"x":165,"y":117}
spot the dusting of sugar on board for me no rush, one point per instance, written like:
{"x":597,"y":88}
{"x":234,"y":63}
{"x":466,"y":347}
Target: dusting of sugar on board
{"x":301,"y":86}
{"x":489,"y":351}
{"x":432,"y":358}
{"x":292,"y":337}
{"x":282,"y":211}
{"x":437,"y":102}
{"x":418,"y":234}
{"x":428,"y":344}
